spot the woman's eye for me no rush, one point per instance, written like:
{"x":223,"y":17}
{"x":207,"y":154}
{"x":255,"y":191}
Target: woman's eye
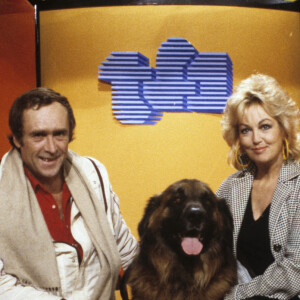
{"x":245,"y":130}
{"x":266,"y":126}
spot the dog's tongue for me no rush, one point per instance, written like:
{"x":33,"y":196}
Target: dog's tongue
{"x":191,"y":246}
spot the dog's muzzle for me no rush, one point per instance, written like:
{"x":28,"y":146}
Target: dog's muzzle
{"x":193,"y":219}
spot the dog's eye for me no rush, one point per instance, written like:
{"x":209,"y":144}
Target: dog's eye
{"x":208,"y":201}
{"x":174,"y":201}
{"x":177,"y":200}
{"x":177,"y":197}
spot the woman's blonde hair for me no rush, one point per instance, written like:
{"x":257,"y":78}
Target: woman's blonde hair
{"x":265,"y":91}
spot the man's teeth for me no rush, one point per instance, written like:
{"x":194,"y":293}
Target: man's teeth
{"x":46,"y":159}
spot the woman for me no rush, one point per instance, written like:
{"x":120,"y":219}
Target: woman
{"x":261,"y":124}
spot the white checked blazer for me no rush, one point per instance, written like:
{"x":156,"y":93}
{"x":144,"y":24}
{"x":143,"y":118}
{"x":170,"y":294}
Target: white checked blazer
{"x":281,"y":280}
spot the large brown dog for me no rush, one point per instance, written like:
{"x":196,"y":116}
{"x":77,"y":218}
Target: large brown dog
{"x":185,"y":246}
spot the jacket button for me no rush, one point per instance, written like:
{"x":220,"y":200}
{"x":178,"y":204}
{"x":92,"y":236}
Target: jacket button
{"x":277,"y":247}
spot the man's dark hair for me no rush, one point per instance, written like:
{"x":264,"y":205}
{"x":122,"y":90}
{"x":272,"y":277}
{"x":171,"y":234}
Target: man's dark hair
{"x":36,"y":98}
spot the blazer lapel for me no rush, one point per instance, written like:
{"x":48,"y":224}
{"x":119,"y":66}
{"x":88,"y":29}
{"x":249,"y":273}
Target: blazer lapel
{"x":240,"y":193}
{"x":279,"y":207}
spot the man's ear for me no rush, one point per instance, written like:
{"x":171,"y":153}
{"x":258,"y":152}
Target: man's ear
{"x":16,"y":142}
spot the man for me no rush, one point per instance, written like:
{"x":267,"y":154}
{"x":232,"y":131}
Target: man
{"x":62,"y":234}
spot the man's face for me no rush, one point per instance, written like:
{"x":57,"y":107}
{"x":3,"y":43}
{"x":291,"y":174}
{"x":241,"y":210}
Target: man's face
{"x":45,"y":141}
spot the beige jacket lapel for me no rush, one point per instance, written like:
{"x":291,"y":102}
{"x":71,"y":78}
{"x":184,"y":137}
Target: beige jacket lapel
{"x":93,"y":213}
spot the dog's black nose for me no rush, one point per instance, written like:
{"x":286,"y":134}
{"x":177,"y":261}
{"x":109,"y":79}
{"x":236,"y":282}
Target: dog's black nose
{"x":193,"y":214}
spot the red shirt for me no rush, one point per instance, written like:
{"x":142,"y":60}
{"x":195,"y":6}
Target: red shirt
{"x":60,"y":230}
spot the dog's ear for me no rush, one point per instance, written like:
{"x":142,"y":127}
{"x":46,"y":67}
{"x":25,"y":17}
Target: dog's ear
{"x":152,"y":205}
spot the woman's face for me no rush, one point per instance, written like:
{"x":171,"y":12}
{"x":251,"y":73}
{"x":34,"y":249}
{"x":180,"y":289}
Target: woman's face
{"x":260,"y":136}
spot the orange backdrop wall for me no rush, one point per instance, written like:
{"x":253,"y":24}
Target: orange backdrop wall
{"x":17,"y":59}
{"x":143,"y":160}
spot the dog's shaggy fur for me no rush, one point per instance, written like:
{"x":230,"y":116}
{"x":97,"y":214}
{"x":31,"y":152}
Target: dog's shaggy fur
{"x":185,"y":246}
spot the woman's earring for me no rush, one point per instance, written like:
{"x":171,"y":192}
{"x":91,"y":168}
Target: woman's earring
{"x":285,"y":150}
{"x":237,"y":158}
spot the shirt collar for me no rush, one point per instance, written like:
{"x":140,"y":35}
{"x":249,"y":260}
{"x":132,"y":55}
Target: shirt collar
{"x":36,"y":185}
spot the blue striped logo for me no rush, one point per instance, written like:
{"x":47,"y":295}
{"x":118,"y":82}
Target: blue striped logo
{"x":184,"y":80}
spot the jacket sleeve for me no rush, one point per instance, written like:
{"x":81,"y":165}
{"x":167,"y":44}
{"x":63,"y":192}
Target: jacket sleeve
{"x":10,"y":288}
{"x":126,"y":242}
